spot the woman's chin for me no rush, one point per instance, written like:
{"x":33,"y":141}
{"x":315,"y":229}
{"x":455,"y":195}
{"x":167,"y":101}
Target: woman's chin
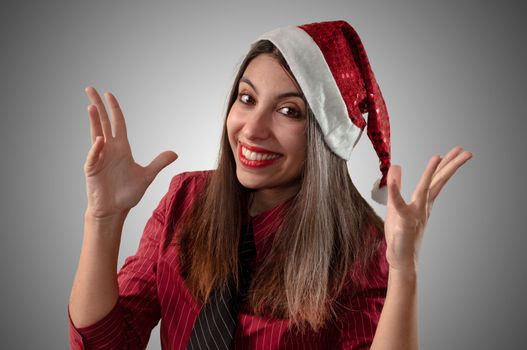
{"x":250,"y":183}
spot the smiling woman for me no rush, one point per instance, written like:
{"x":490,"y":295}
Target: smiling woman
{"x":268,"y":120}
{"x":275,"y":248}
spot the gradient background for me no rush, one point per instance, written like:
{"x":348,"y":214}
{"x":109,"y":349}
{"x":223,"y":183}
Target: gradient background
{"x":451,"y":73}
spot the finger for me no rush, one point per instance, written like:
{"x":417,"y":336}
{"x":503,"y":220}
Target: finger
{"x":94,"y":97}
{"x":454,"y":152}
{"x":95,"y":123}
{"x":449,"y":156}
{"x":394,"y":188}
{"x":420,"y":195}
{"x":93,"y":155}
{"x":429,"y":207}
{"x":117,"y":116}
{"x":446,"y":173}
{"x":160,"y":162}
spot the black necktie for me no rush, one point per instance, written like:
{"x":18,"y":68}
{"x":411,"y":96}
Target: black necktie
{"x":216,"y":323}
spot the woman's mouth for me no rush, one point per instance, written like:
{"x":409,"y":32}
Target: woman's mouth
{"x":254,"y":159}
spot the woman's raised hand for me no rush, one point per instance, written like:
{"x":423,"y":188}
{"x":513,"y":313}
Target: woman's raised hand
{"x":114,"y":181}
{"x":405,"y":223}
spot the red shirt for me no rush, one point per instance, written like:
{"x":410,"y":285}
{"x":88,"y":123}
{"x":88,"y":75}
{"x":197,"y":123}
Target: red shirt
{"x":151,"y":289}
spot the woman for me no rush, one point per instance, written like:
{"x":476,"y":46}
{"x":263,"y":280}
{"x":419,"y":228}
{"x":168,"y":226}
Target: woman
{"x":275,"y":248}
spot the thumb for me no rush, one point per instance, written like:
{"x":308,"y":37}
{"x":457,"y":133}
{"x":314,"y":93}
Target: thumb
{"x":93,"y":155}
{"x":394,"y":186}
{"x":160,"y":162}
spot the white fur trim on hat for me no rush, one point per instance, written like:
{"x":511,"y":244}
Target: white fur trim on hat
{"x":380,"y":195}
{"x":310,"y":69}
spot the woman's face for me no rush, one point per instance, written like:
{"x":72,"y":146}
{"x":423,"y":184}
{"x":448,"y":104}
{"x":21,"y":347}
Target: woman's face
{"x":266,"y":127}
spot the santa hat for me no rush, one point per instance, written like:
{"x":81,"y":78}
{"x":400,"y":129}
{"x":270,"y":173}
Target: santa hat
{"x":331,"y":66}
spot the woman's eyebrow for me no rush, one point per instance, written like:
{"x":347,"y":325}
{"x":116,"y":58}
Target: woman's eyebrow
{"x":285,"y":94}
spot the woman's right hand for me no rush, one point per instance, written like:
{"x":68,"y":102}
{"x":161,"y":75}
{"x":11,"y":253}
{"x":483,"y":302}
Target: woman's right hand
{"x":114,"y":181}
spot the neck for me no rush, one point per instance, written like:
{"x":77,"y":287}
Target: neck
{"x":265,"y":199}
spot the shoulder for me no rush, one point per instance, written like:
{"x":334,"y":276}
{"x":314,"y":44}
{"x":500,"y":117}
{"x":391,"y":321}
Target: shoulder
{"x":184,"y":188}
{"x":184,"y":180}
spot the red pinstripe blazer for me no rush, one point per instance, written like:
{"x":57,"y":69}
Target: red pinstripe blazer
{"x":151,"y":289}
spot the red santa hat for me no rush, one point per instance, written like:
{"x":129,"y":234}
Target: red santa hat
{"x":331,"y":66}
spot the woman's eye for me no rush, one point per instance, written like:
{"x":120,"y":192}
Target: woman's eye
{"x":245,"y":98}
{"x":291,"y":112}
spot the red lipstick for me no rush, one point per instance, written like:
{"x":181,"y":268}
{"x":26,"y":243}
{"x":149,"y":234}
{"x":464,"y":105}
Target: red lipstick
{"x":255,"y":163}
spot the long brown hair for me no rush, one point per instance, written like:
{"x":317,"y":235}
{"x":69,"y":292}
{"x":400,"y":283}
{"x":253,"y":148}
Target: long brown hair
{"x":324,"y":235}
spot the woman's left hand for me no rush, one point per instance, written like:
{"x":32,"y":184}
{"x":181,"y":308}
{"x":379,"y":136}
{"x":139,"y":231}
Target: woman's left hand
{"x":405,"y":223}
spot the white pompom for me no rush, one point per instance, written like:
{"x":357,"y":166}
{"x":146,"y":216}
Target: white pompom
{"x":380,"y":195}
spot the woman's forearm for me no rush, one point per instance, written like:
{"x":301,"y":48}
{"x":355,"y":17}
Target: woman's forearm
{"x":95,"y":289}
{"x":397,"y":328}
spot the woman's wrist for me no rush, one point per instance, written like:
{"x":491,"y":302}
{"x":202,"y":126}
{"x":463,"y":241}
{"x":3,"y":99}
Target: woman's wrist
{"x":105,"y":220}
{"x":408,"y":274}
{"x":105,"y":228}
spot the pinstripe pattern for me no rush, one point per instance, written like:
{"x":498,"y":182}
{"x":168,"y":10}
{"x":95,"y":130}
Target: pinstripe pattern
{"x":151,"y":289}
{"x":221,"y":311}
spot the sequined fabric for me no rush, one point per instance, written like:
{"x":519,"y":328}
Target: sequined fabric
{"x":346,"y":57}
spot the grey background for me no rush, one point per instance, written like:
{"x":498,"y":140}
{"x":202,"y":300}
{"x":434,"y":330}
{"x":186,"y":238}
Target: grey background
{"x":452,"y":73}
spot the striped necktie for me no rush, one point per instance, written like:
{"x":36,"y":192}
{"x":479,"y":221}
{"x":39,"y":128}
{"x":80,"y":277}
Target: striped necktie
{"x":215,"y":326}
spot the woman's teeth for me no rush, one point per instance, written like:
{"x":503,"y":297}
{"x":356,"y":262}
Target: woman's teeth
{"x":257,"y":156}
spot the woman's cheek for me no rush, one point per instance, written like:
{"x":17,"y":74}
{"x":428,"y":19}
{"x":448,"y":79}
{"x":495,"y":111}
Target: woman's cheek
{"x":230,"y":124}
{"x":294,"y":138}
{"x":234,"y":122}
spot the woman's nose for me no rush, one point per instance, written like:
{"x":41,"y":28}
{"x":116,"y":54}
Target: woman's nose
{"x":257,"y":125}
